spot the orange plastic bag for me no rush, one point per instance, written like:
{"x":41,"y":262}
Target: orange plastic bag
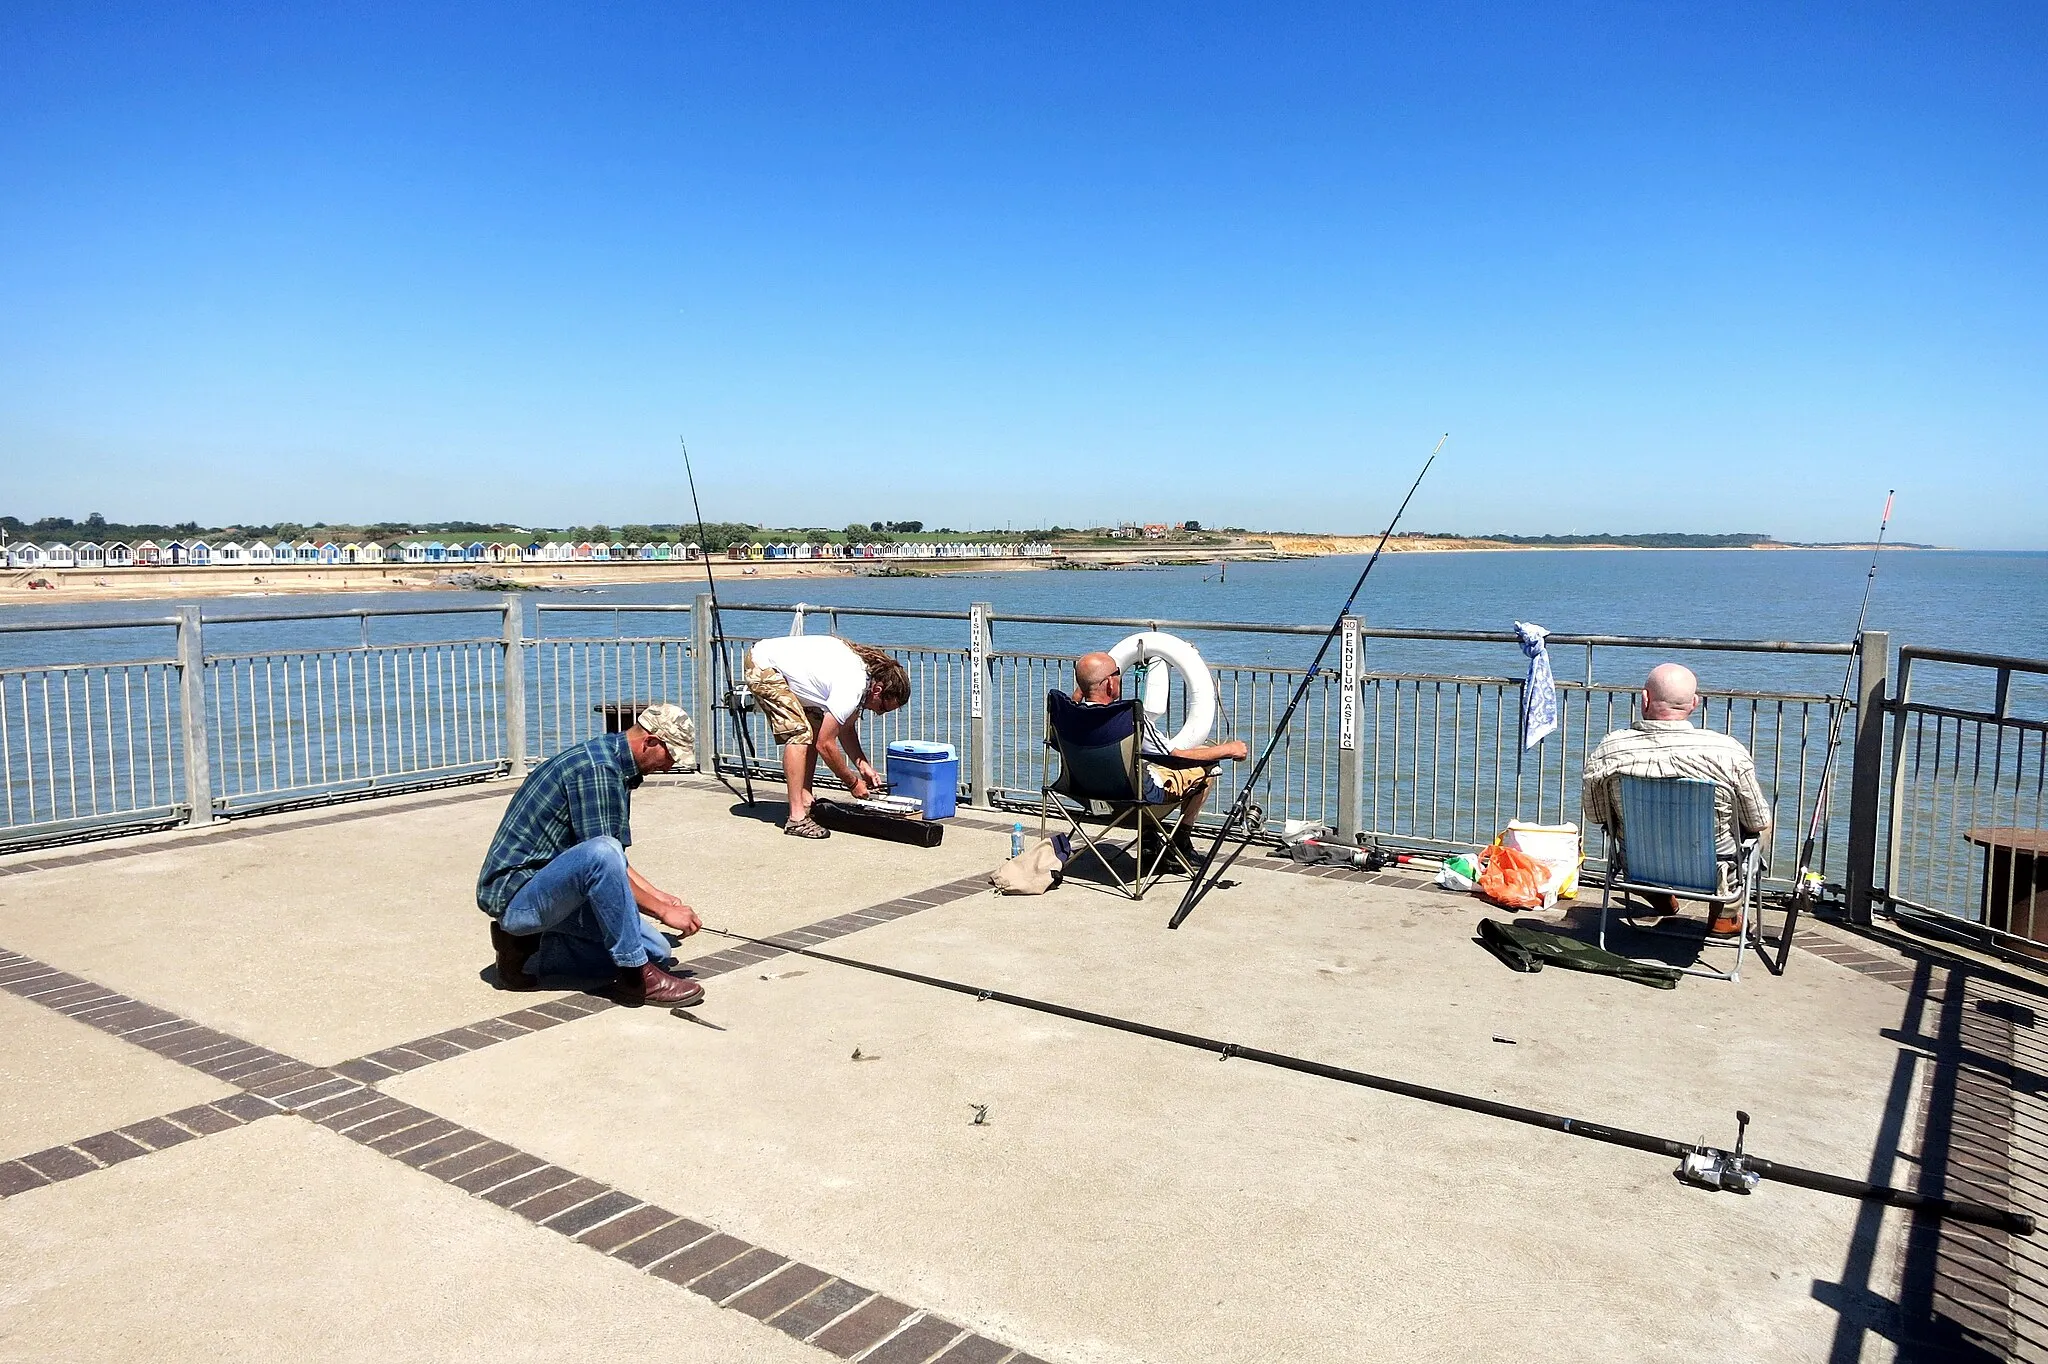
{"x":1510,"y":877}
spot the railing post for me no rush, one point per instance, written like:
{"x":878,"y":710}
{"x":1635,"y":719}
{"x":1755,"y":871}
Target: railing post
{"x":514,"y":702}
{"x":980,"y":748}
{"x":192,"y":695}
{"x":1350,"y":768}
{"x":704,"y":684}
{"x":1873,"y":664}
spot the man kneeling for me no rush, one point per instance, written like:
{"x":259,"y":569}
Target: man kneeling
{"x":562,"y":899}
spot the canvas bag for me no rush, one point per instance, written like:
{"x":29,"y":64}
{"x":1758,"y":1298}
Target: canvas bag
{"x":1034,"y":871}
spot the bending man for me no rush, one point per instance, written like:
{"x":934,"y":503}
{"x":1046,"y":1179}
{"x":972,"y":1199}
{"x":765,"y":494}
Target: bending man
{"x":1098,"y":682}
{"x":812,"y":689}
{"x":562,"y":900}
{"x":1664,"y":743}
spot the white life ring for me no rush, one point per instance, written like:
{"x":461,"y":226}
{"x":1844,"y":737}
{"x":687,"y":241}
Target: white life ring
{"x":1153,"y":646}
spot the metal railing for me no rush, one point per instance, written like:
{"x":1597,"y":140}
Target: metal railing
{"x":1391,"y":743}
{"x":1968,"y":811}
{"x":85,"y":746}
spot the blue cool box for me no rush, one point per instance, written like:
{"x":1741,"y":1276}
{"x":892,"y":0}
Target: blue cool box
{"x":931,"y":772}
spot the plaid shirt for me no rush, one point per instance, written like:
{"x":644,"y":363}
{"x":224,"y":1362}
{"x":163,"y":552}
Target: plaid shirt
{"x":1674,"y":748}
{"x":581,"y":793}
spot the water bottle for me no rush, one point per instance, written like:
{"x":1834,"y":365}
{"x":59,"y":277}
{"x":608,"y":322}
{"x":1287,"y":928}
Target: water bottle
{"x":1017,"y":840}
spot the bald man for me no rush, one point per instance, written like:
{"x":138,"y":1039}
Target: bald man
{"x":1664,"y":743}
{"x":1099,"y":682}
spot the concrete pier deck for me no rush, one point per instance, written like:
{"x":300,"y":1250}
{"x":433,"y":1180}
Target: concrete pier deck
{"x":264,"y":1100}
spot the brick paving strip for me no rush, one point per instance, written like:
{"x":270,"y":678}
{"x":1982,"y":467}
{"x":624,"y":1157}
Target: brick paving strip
{"x":842,"y":1318}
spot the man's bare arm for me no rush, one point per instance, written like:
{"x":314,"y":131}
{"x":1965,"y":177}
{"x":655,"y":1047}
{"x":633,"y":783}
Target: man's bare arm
{"x":662,"y":905}
{"x":833,"y":738}
{"x":1234,"y":749}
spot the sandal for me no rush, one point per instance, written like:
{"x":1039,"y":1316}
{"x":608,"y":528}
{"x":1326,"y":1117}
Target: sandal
{"x":806,"y":828}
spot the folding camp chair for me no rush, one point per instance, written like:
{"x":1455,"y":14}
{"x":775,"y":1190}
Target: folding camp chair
{"x":1102,"y":764}
{"x":1667,"y":846}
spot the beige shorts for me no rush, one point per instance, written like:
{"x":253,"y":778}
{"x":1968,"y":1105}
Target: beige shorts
{"x":788,"y":719}
{"x":1180,"y":782}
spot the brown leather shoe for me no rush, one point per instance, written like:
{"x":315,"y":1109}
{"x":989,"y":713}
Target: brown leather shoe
{"x":649,"y":984}
{"x":514,"y":951}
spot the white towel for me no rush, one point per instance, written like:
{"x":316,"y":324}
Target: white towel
{"x":1539,"y":693}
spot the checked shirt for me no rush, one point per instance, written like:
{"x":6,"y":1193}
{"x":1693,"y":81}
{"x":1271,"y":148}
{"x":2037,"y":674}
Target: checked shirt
{"x":579,"y":794}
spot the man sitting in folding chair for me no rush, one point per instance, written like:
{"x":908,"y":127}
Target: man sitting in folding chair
{"x":1653,"y":765}
{"x":1109,"y":754}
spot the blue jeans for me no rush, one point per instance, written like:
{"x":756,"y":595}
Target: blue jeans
{"x":582,"y":906}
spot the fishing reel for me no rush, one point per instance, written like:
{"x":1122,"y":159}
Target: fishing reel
{"x":1709,"y":1167}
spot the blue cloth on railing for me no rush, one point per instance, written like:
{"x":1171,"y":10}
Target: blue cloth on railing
{"x":1539,"y":693}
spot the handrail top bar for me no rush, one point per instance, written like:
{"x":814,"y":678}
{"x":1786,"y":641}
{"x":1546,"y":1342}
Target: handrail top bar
{"x":1921,"y":655}
{"x":134,"y":623}
{"x":1267,"y":628}
{"x":358,"y":612}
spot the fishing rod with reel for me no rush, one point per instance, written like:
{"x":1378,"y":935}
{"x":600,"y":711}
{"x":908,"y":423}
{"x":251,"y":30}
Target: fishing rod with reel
{"x":1245,"y":818}
{"x":1806,"y":883}
{"x":1701,"y":1165}
{"x":731,"y":699}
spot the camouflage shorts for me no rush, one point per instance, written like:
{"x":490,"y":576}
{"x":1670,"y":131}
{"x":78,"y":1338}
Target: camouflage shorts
{"x":787,"y":718}
{"x":1179,"y":782}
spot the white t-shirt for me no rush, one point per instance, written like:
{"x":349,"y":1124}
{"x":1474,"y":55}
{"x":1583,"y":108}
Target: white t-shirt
{"x":820,"y":669}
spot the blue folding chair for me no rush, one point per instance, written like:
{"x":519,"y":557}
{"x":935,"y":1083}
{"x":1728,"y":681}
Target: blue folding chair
{"x":1102,"y":763}
{"x":1667,"y":845}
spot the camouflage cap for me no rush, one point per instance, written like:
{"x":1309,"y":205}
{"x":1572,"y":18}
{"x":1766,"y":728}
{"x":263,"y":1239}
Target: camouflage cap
{"x":674,"y":728}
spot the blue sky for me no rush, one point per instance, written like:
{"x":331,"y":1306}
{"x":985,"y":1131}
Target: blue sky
{"x":1694,"y":267}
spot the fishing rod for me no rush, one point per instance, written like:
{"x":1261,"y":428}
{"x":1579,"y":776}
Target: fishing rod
{"x":1806,"y":885}
{"x":1240,"y":819}
{"x":728,"y":695}
{"x":1700,"y":1164}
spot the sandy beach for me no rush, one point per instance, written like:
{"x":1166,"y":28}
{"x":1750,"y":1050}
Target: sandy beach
{"x":144,"y":584}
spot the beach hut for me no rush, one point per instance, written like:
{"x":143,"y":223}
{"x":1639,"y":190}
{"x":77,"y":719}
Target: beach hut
{"x":149,"y":554}
{"x":305,"y":552}
{"x":328,"y":552}
{"x":498,"y":553}
{"x":174,"y":554}
{"x":259,"y":553}
{"x":690,"y":551}
{"x":199,"y":553}
{"x":229,"y":552}
{"x":59,"y":556}
{"x":120,"y":554}
{"x":473,"y":552}
{"x":90,"y":555}
{"x":24,"y":554}
{"x":581,"y":550}
{"x":373,"y":553}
